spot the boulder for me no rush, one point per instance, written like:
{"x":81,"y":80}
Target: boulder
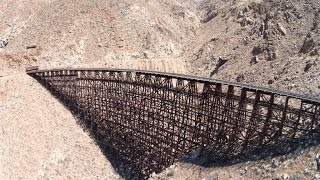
{"x":3,"y":43}
{"x":307,"y":45}
{"x":281,"y":29}
{"x":318,"y":161}
{"x":208,"y":14}
{"x":213,"y":176}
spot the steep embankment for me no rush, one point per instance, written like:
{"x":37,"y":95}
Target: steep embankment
{"x":39,"y":138}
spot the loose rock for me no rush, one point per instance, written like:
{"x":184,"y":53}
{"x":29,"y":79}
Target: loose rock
{"x":3,"y":43}
{"x":282,"y":30}
{"x":257,"y":50}
{"x":275,"y":163}
{"x":271,"y":81}
{"x":318,"y":161}
{"x":208,"y":14}
{"x":31,"y":46}
{"x":254,"y":60}
{"x":212,"y":176}
{"x":249,"y":20}
{"x":285,"y":176}
{"x":308,"y":45}
{"x":240,"y":78}
{"x":308,"y":66}
{"x":243,"y":171}
{"x":294,"y":177}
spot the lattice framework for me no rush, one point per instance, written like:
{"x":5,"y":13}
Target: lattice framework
{"x":152,"y":119}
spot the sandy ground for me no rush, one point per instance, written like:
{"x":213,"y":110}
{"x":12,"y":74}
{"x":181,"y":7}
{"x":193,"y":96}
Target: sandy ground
{"x":39,"y":138}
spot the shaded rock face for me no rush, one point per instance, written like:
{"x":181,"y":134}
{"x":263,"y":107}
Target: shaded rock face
{"x":208,"y":14}
{"x":266,"y":39}
{"x":310,"y":45}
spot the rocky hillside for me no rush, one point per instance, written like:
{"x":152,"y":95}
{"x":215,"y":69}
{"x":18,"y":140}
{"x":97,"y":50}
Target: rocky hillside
{"x":270,"y":43}
{"x":63,"y":33}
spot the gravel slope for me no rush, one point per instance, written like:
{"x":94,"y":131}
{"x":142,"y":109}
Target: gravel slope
{"x":40,"y":139}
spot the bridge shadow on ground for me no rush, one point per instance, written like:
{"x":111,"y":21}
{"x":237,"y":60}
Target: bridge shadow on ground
{"x":125,"y":167}
{"x":211,"y":157}
{"x":138,"y":143}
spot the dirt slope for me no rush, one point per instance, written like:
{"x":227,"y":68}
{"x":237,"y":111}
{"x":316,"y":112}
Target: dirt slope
{"x":40,"y":139}
{"x":93,"y":32}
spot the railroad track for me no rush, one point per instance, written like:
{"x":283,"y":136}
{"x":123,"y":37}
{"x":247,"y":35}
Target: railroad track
{"x":151,"y":119}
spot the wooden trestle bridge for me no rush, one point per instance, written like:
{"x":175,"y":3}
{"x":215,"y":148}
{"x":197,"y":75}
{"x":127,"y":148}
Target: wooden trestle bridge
{"x":151,"y":119}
